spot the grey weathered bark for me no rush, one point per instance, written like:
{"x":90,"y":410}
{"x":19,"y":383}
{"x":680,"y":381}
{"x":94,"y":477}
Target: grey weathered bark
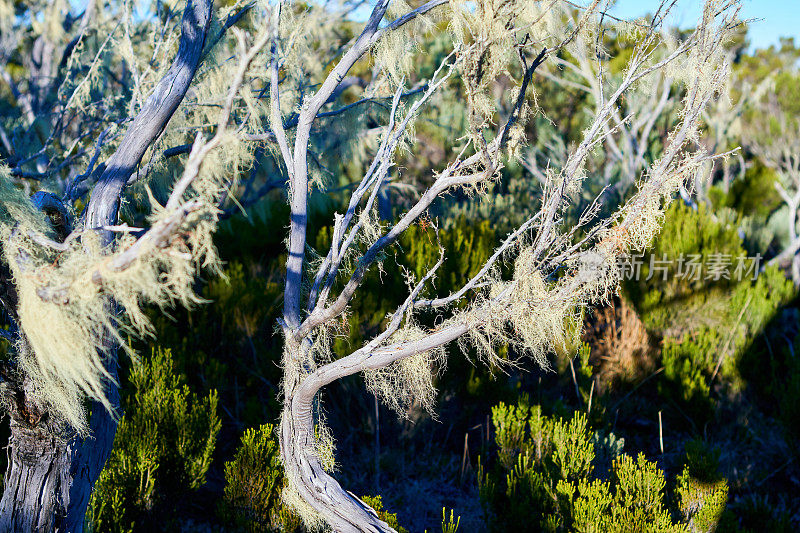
{"x":152,"y":119}
{"x":38,"y":466}
{"x":52,"y":471}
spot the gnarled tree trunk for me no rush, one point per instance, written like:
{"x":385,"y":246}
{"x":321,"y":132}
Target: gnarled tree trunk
{"x":344,"y":512}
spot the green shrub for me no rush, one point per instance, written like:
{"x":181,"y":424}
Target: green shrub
{"x":701,"y":503}
{"x":543,"y":479}
{"x":702,"y":459}
{"x":707,"y":324}
{"x":679,"y":303}
{"x":538,"y":459}
{"x":376,"y":502}
{"x":161,"y":453}
{"x":639,"y":500}
{"x":688,"y":366}
{"x":254,"y":482}
{"x":720,"y":352}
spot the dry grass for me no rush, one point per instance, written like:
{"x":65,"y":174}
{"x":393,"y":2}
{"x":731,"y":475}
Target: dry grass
{"x":621,"y":346}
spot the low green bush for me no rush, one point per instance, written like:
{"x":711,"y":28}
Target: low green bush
{"x":254,"y":482}
{"x":545,"y":476}
{"x":161,"y":453}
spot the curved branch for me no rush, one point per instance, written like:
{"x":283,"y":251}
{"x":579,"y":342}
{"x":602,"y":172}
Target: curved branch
{"x":152,"y":119}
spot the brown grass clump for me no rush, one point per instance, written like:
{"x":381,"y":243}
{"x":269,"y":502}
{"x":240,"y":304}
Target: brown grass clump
{"x":621,"y":346}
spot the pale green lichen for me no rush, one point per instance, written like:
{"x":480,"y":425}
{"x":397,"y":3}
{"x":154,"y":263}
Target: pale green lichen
{"x":410,"y":379}
{"x":68,"y":322}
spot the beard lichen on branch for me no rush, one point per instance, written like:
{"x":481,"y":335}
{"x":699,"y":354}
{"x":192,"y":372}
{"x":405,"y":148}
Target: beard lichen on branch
{"x":64,"y":310}
{"x":68,"y":324}
{"x":410,"y":379}
{"x":539,"y":309}
{"x":78,"y":299}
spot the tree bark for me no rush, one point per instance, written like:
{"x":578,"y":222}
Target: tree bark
{"x":37,"y":482}
{"x":152,"y":119}
{"x":344,"y":512}
{"x":36,"y":491}
{"x":51,"y":469}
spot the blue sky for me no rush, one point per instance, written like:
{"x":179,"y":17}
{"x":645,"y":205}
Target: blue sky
{"x":776,"y":18}
{"x":771,"y":19}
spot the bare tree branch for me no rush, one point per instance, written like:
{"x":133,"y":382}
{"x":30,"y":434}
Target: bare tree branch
{"x":152,"y":119}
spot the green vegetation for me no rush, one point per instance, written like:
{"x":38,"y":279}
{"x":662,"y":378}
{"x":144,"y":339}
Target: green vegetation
{"x":164,"y":448}
{"x":253,"y":485}
{"x":545,"y":476}
{"x":676,"y":409}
